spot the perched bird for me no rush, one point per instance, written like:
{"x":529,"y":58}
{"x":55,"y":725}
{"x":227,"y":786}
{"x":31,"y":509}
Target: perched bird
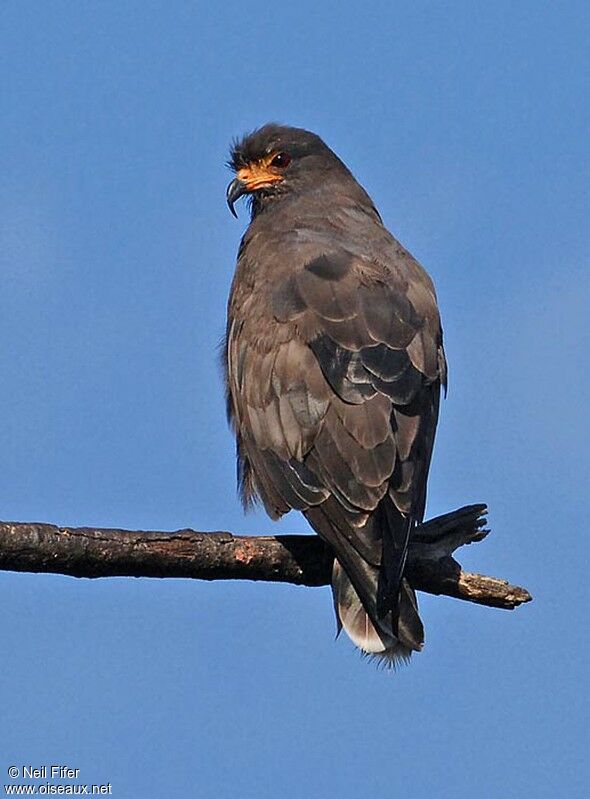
{"x":334,"y":364}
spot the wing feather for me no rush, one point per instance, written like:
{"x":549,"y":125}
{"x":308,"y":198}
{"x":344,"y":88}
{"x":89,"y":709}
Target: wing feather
{"x":334,"y":386}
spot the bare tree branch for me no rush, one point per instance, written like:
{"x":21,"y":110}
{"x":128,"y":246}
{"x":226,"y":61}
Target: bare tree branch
{"x":303,"y":560}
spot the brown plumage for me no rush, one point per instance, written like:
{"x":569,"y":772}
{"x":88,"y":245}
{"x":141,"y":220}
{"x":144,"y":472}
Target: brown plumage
{"x":334,"y":366}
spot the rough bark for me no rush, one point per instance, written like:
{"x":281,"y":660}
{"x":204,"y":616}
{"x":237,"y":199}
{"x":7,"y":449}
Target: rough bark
{"x":299,"y":559}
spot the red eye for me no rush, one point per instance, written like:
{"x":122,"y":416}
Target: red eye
{"x":281,"y":160}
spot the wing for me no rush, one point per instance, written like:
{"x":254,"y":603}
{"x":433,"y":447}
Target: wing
{"x":334,"y":392}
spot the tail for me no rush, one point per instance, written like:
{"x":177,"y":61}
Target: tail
{"x":378,"y":640}
{"x":372,"y":600}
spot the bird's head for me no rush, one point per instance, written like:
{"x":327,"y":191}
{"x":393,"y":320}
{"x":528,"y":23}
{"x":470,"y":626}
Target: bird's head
{"x":275,"y":161}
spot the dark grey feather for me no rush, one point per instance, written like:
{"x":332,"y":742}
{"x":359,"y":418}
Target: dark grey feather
{"x":334,"y":368}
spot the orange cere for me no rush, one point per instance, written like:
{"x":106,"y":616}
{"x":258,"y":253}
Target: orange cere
{"x":259,"y":173}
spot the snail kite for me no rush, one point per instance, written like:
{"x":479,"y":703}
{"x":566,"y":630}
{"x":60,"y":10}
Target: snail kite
{"x":334,"y":364}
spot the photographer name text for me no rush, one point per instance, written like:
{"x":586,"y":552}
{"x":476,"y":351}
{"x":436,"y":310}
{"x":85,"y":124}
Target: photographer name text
{"x":48,"y":772}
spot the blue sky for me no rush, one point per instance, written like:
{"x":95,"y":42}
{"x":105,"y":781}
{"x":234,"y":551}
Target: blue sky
{"x":468,"y":124}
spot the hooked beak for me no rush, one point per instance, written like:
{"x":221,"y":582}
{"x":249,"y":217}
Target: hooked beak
{"x":236,"y":189}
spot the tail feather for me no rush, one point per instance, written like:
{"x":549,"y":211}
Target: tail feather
{"x":373,"y":601}
{"x":377,"y":640}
